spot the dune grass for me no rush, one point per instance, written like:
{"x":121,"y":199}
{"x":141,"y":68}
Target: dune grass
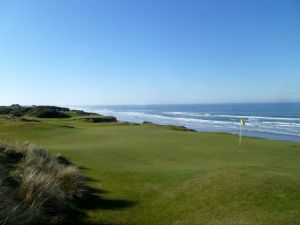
{"x":151,"y":175}
{"x":37,"y":187}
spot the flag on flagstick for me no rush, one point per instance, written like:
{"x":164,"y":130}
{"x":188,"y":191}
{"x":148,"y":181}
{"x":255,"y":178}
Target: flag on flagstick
{"x":242,"y":123}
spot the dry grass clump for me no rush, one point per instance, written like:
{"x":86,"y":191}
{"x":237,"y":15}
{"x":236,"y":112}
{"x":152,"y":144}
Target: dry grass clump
{"x":12,"y":209}
{"x":35,"y":186}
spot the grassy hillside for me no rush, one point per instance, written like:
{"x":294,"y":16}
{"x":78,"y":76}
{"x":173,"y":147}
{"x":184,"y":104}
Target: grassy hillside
{"x":155,"y":175}
{"x":18,"y":111}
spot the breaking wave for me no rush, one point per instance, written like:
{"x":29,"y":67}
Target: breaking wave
{"x":258,"y":126}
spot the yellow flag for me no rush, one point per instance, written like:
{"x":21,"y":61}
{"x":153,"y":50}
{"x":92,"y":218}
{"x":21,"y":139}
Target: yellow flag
{"x":243,"y":122}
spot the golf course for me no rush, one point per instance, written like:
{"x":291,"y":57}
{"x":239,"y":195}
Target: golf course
{"x":161,"y":175}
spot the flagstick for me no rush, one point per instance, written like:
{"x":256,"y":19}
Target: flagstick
{"x":240,"y":141}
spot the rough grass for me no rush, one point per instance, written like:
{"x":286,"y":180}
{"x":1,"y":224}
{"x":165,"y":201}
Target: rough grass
{"x":152,"y":175}
{"x":35,"y":186}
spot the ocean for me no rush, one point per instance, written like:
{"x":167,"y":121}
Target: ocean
{"x":277,"y":121}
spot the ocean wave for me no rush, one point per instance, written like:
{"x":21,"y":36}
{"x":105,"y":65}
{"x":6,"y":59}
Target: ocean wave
{"x":235,"y":117}
{"x":260,"y":117}
{"x":206,"y":121}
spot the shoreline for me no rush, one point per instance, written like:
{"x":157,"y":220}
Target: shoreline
{"x":257,"y":135}
{"x":173,"y":121}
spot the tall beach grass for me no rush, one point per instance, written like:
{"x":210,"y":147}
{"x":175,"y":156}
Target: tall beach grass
{"x":35,"y":186}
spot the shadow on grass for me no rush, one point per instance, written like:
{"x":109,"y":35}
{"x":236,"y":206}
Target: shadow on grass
{"x":93,"y":223}
{"x":94,"y":201}
{"x":77,"y":216}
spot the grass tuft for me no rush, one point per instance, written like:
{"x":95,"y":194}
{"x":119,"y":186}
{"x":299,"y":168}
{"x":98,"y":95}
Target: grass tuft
{"x":35,"y":186}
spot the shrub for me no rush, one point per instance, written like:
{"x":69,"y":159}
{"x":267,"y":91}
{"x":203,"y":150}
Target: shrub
{"x":180,"y":128}
{"x":38,"y":111}
{"x":83,"y":113}
{"x":4,"y":110}
{"x":100,"y":119}
{"x":50,"y":113}
{"x":14,"y":110}
{"x":147,"y":122}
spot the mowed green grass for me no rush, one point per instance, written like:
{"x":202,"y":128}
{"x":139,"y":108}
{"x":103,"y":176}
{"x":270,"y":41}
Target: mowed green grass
{"x":155,"y":175}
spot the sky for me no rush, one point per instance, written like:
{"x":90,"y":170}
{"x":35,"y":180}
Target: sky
{"x":71,"y":52}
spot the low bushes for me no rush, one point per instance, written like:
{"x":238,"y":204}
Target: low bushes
{"x":50,"y":113}
{"x":36,"y":187}
{"x":38,"y":111}
{"x":83,"y":113}
{"x":172,"y":127}
{"x":100,"y":119}
{"x":42,"y":111}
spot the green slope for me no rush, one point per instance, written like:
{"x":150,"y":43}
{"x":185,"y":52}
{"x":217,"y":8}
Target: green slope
{"x":155,"y":175}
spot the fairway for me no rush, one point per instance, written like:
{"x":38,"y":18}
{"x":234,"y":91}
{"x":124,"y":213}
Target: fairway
{"x":154,"y":175}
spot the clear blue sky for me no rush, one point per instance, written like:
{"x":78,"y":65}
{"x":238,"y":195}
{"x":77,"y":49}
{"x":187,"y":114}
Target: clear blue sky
{"x":145,"y":52}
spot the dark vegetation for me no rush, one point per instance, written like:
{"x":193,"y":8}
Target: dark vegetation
{"x":83,"y":113}
{"x":180,"y":128}
{"x":37,"y":111}
{"x":100,"y":119}
{"x":172,"y":127}
{"x":49,"y":113}
{"x":148,"y":123}
{"x":40,"y":111}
